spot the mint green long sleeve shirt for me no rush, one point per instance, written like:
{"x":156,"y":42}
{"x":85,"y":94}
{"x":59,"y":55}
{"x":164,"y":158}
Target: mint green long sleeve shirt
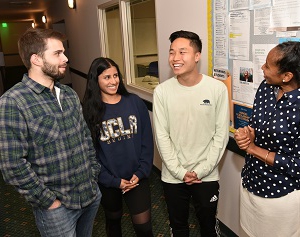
{"x":191,"y":127}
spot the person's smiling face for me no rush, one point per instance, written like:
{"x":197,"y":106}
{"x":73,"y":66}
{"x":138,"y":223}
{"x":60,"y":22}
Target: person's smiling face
{"x":182,"y":57}
{"x":109,"y":81}
{"x":271,"y":70}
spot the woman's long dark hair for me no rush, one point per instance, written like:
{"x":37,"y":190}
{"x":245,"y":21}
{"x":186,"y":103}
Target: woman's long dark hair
{"x":93,"y":106}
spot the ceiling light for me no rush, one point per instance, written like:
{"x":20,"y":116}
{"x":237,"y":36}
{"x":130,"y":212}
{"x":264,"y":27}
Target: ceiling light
{"x":72,"y":4}
{"x":44,"y":19}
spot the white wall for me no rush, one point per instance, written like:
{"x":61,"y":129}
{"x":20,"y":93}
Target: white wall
{"x":230,"y":178}
{"x":82,"y":31}
{"x":171,"y":15}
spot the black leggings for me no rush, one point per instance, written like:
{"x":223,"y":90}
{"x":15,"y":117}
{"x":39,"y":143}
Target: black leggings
{"x":138,"y":201}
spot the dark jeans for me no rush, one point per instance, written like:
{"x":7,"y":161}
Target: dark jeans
{"x":64,"y":222}
{"x":205,"y":199}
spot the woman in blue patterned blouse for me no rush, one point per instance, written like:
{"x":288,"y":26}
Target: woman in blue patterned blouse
{"x":270,"y":196}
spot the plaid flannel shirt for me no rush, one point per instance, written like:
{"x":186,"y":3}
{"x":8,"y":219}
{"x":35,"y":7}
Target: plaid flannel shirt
{"x":46,"y":151}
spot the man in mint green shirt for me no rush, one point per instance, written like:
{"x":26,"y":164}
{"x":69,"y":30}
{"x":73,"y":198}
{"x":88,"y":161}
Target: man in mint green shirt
{"x":191,"y":122}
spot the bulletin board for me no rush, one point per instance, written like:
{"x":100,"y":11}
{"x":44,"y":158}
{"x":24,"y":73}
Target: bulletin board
{"x":244,"y":31}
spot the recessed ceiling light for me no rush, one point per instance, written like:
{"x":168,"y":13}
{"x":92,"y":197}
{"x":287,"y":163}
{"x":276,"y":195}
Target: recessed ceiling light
{"x":44,"y":19}
{"x":72,"y":4}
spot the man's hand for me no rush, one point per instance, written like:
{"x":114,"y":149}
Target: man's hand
{"x":191,"y":178}
{"x":55,"y":204}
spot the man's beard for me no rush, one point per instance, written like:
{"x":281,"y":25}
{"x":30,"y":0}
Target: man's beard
{"x":52,"y":71}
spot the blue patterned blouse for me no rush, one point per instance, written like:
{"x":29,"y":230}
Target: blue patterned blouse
{"x":276,"y":125}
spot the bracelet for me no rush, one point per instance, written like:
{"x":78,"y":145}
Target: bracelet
{"x":266,"y":157}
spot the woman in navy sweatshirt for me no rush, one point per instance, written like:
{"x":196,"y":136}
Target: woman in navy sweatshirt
{"x":122,"y":135}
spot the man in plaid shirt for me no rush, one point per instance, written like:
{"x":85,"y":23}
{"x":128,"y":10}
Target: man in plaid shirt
{"x":46,"y":149}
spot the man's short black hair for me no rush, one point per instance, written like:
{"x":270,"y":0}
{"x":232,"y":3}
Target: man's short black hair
{"x":193,"y":37}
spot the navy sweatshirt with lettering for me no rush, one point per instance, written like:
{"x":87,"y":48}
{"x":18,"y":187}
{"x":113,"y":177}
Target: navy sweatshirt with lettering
{"x":125,"y":142}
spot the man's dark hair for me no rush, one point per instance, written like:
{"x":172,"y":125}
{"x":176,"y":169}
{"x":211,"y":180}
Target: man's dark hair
{"x":34,"y":41}
{"x":195,"y":41}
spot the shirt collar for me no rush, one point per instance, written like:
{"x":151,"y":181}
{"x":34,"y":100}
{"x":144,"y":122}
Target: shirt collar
{"x":37,"y":87}
{"x":292,"y":96}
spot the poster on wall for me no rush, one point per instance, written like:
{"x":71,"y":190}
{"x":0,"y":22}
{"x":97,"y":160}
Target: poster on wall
{"x":243,"y":82}
{"x":220,"y":34}
{"x":242,"y":115}
{"x":259,"y":55}
{"x":262,"y":21}
{"x":284,"y":14}
{"x":239,"y":35}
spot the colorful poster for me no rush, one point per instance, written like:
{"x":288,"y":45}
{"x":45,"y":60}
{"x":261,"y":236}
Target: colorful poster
{"x":241,"y":115}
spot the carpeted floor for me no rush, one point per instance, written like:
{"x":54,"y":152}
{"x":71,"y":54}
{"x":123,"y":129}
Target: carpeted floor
{"x":16,"y":218}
